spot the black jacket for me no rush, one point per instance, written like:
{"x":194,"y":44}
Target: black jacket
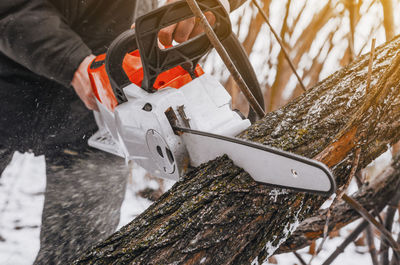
{"x":51,"y":38}
{"x":42,"y":43}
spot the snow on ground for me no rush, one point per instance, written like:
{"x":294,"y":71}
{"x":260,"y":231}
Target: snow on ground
{"x":353,"y":255}
{"x":133,"y":204}
{"x":21,"y":200}
{"x":22,"y":186}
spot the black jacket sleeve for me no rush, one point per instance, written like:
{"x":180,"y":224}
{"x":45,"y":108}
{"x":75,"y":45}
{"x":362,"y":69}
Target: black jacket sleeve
{"x":34,"y":34}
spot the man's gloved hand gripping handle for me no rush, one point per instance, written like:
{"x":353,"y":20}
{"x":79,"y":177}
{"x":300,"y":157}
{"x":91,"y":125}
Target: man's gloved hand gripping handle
{"x":82,"y":86}
{"x":186,"y":29}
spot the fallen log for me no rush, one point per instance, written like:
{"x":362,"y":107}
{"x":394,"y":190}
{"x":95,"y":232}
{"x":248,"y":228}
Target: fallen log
{"x":218,"y":215}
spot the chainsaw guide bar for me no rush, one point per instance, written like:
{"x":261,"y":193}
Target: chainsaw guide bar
{"x":266,"y":164}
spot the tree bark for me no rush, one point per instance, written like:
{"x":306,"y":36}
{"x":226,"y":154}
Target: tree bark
{"x":218,"y":215}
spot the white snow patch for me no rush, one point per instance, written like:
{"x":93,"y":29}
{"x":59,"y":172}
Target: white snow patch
{"x":22,"y":185}
{"x":353,"y":255}
{"x":328,"y":202}
{"x":276,"y":192}
{"x":255,"y":261}
{"x":270,"y":248}
{"x":379,"y":164}
{"x":322,"y":101}
{"x":287,"y":230}
{"x":195,"y":240}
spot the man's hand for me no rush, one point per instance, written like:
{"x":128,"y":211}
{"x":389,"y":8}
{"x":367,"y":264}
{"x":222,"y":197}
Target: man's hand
{"x":82,"y":86}
{"x":186,"y":29}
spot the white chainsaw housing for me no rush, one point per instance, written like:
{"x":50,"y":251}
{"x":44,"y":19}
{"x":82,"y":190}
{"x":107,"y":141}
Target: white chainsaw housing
{"x":139,"y":129}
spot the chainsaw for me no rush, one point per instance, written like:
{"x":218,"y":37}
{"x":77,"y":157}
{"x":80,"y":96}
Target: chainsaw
{"x":158,"y":108}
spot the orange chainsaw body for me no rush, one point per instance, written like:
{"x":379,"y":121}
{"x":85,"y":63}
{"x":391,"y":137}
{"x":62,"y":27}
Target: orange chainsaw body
{"x":174,"y":77}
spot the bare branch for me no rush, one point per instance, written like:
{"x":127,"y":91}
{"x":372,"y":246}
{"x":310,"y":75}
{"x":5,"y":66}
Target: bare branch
{"x":340,"y":249}
{"x":283,"y":49}
{"x":384,"y":232}
{"x":371,"y":245}
{"x":389,"y":219}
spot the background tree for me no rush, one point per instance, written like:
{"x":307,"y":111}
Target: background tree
{"x":322,"y":36}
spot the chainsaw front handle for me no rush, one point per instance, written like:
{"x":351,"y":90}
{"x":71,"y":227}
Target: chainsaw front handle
{"x":123,"y":44}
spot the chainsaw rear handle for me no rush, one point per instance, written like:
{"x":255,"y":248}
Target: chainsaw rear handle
{"x":156,"y":60}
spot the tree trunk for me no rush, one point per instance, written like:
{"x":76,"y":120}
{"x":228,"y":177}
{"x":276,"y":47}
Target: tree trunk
{"x":218,"y":215}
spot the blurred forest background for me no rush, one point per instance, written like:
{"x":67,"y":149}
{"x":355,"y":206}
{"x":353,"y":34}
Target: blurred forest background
{"x":320,"y":35}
